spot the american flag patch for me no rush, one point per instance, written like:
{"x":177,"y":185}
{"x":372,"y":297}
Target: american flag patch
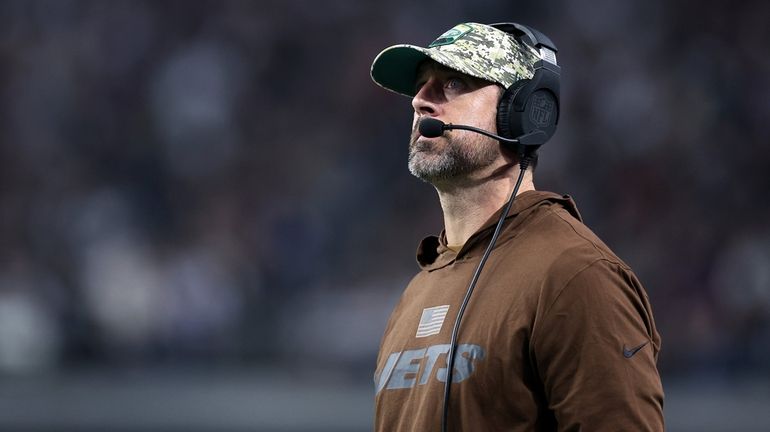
{"x":431,"y":320}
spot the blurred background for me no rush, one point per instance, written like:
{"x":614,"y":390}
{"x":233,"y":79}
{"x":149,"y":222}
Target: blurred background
{"x":206,"y":216}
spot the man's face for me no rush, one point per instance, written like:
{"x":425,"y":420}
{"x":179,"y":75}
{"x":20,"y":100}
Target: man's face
{"x":452,"y":97}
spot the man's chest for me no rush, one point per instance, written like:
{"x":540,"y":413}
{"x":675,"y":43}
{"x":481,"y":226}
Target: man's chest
{"x":492,"y":342}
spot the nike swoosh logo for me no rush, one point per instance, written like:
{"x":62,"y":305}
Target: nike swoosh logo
{"x":628,"y":353}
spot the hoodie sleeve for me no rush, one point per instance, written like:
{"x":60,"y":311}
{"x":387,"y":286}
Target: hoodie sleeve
{"x":595,"y":350}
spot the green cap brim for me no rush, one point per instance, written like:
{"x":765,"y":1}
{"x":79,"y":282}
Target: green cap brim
{"x":395,"y":68}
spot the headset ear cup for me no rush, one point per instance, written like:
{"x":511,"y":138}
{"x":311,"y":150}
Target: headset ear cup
{"x":541,"y":112}
{"x":508,"y":120}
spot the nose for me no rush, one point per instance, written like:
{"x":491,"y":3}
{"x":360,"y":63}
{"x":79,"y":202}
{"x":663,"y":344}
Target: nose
{"x":428,"y":98}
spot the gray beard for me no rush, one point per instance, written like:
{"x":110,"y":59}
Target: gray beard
{"x":453,"y":160}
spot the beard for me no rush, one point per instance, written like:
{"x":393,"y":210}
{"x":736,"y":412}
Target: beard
{"x":452,"y":157}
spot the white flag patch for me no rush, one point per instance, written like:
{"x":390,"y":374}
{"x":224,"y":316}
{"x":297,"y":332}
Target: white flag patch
{"x":431,"y":320}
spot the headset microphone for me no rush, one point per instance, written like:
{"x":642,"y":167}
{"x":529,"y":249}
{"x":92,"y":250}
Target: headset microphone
{"x":431,"y":127}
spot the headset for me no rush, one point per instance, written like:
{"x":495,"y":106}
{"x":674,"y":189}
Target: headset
{"x":531,"y":104}
{"x":528,"y":108}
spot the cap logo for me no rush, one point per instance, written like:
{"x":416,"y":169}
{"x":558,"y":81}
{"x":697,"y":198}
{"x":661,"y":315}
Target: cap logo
{"x":451,"y":35}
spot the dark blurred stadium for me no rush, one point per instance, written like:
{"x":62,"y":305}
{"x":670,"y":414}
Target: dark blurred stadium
{"x":206,"y":216}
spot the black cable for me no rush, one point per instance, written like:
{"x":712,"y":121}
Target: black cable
{"x":453,"y":341}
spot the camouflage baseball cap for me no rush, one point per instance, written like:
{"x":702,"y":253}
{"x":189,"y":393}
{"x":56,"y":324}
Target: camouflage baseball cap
{"x":474,"y":49}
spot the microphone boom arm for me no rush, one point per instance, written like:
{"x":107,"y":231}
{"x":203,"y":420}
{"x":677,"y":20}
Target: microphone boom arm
{"x":432,"y":127}
{"x":450,"y":126}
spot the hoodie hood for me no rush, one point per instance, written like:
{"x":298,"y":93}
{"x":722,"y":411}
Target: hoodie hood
{"x":433,"y":253}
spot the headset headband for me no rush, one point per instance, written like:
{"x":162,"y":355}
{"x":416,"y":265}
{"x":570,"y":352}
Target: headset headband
{"x":531,"y":37}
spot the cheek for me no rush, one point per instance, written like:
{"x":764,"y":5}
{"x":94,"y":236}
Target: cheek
{"x":492,"y":99}
{"x":493,"y":122}
{"x":484,"y":108}
{"x":486,"y":117}
{"x":491,"y":116}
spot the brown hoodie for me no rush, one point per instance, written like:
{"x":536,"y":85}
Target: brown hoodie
{"x":558,"y":335}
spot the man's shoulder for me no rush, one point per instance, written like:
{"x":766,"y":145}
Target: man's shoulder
{"x":555,"y":237}
{"x":556,"y":251}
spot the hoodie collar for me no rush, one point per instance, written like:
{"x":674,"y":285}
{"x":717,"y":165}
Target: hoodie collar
{"x":433,"y":253}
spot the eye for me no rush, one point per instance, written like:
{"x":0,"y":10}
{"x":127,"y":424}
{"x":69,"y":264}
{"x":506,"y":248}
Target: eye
{"x":454,"y":83}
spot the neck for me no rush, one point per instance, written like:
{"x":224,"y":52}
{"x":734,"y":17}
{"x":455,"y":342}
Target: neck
{"x":467,"y":206}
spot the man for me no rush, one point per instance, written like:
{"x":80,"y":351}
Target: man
{"x":559,"y":333}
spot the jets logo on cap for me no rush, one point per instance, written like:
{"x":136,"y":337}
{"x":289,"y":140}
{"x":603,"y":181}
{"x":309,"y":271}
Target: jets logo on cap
{"x":451,"y":35}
